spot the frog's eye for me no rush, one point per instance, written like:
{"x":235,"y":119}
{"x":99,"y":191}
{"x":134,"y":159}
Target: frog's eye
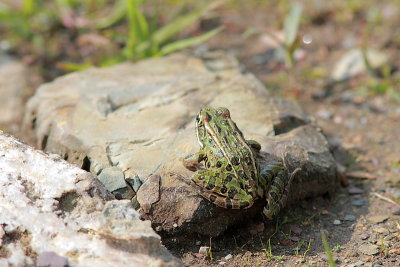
{"x":207,"y":117}
{"x":197,"y":118}
{"x":224,"y":112}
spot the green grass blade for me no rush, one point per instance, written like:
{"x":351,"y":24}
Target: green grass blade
{"x":328,"y":251}
{"x":175,"y":26}
{"x":292,"y":22}
{"x":117,"y":14}
{"x":181,"y":44}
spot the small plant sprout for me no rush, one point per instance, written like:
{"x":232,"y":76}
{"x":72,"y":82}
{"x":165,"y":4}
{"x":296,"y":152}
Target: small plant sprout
{"x":291,"y":28}
{"x":328,"y":251}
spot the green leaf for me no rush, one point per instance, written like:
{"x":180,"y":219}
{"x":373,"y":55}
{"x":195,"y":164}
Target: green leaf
{"x":181,"y":44}
{"x":177,"y":25}
{"x":291,"y":25}
{"x":117,"y":14}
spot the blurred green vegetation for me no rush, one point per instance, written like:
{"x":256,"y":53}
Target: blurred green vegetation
{"x":79,"y":34}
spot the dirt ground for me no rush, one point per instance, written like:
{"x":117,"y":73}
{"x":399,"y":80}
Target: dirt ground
{"x":360,"y":117}
{"x":362,"y":126}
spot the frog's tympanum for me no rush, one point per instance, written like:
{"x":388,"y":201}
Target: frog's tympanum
{"x":232,"y":177}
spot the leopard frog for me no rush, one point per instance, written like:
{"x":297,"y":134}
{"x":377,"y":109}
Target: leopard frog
{"x":231,"y":177}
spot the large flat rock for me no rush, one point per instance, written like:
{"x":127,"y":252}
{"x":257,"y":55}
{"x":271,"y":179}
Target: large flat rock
{"x":52,"y":211}
{"x":134,"y":123}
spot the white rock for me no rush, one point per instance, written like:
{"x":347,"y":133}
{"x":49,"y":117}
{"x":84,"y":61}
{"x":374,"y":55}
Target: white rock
{"x":55,"y":206}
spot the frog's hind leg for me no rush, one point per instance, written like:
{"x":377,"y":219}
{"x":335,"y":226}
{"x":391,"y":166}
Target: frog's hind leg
{"x":278,"y":192}
{"x":205,"y":182}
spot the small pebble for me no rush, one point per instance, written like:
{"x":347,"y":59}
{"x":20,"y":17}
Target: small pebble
{"x":378,"y":263}
{"x":358,"y":263}
{"x":296,"y":230}
{"x":325,"y":258}
{"x":378,"y":218}
{"x":349,"y":217}
{"x":222,"y":263}
{"x":368,"y":249}
{"x":364,"y":236}
{"x":324,"y":114}
{"x":355,"y":191}
{"x":228,"y":257}
{"x":337,"y":222}
{"x":302,"y":260}
{"x":381,"y":230}
{"x":358,"y":202}
{"x":203,"y":250}
{"x":396,"y":211}
{"x":295,"y":238}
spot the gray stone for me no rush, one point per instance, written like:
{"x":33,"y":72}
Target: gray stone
{"x":378,"y":218}
{"x":59,"y":212}
{"x":139,"y":118}
{"x":349,"y":217}
{"x":368,"y":249}
{"x":355,"y":190}
{"x":112,"y":178}
{"x":13,"y":82}
{"x":358,"y":202}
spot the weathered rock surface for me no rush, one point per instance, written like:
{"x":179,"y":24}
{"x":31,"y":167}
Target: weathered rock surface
{"x":13,"y":82}
{"x":52,"y":212}
{"x":130,"y":122}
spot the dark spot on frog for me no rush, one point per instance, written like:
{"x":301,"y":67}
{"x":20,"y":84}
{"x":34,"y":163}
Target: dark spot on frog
{"x":242,"y":186}
{"x":232,"y":193}
{"x":224,"y":190}
{"x":213,"y":198}
{"x":229,"y":177}
{"x":219,"y":164}
{"x":208,"y":164}
{"x":228,"y":203}
{"x":210,"y":186}
{"x":235,"y":161}
{"x":218,"y":128}
{"x":229,"y":167}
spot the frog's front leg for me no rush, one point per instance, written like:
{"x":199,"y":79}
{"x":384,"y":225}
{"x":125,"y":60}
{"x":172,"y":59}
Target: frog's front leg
{"x":192,"y":162}
{"x":279,"y":187}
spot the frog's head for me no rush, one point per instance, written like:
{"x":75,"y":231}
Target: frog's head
{"x":209,"y":122}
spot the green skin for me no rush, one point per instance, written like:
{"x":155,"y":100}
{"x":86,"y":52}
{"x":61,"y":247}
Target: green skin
{"x":232,"y":177}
